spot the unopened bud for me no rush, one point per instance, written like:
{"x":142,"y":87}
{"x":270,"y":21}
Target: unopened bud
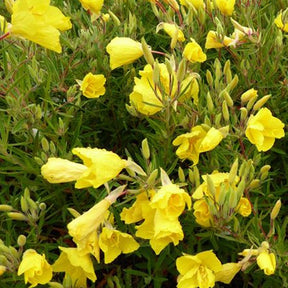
{"x":207,"y":121}
{"x":45,"y":144}
{"x":24,"y":204}
{"x":240,"y":189}
{"x":114,"y":18}
{"x":251,"y":102}
{"x":228,"y":99}
{"x":42,"y":206}
{"x":156,"y":73}
{"x":17,"y":216}
{"x":152,"y":178}
{"x":255,"y":183}
{"x":181,"y":174}
{"x":227,"y":71}
{"x":275,"y":210}
{"x":181,"y":72}
{"x":243,"y":114}
{"x":145,"y":149}
{"x":224,"y":130}
{"x":210,"y":104}
{"x":232,"y":84}
{"x":225,"y":111}
{"x":210,"y":186}
{"x":261,"y":102}
{"x":55,"y":285}
{"x":147,"y":52}
{"x":6,"y":208}
{"x":264,"y":172}
{"x":218,"y":118}
{"x":248,"y":95}
{"x":209,"y":78}
{"x":233,"y":172}
{"x":21,"y":241}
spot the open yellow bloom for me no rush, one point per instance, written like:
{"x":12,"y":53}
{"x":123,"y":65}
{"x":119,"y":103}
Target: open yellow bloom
{"x":213,"y":41}
{"x":123,"y":50}
{"x":78,"y":266}
{"x":198,"y":270}
{"x":279,"y":23}
{"x":244,"y":207}
{"x":197,"y":4}
{"x":39,"y":22}
{"x":194,"y":53}
{"x":267,"y":262}
{"x":113,"y":243}
{"x":226,"y":7}
{"x":202,"y":213}
{"x":94,"y":6}
{"x":170,"y":200}
{"x":147,"y":97}
{"x":263,"y":128}
{"x":35,"y":268}
{"x":196,"y":142}
{"x":92,"y":85}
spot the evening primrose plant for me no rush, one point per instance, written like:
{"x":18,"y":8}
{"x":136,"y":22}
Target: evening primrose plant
{"x":143,"y":143}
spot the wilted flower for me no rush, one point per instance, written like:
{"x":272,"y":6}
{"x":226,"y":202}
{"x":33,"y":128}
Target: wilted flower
{"x":123,"y":50}
{"x":267,"y":262}
{"x":244,"y":207}
{"x":202,"y":213}
{"x":226,"y":7}
{"x":279,"y":22}
{"x":35,"y":268}
{"x":197,"y":141}
{"x":39,"y":22}
{"x":194,"y":53}
{"x":263,"y":128}
{"x":198,"y":270}
{"x":172,"y":30}
{"x":92,"y":86}
{"x":76,"y":265}
{"x":228,"y":272}
{"x":113,"y":243}
{"x":94,"y":6}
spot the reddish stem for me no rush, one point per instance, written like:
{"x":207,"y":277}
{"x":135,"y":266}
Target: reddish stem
{"x":4,"y":35}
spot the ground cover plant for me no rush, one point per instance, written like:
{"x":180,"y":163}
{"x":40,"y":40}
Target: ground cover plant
{"x":142,"y":143}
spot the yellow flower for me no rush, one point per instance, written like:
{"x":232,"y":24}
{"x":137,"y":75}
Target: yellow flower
{"x":147,"y":97}
{"x":196,"y":142}
{"x":170,"y":200}
{"x":9,"y":5}
{"x":92,"y":86}
{"x":123,"y":50}
{"x":166,"y":230}
{"x":39,"y":22}
{"x":78,"y":266}
{"x":226,"y":7}
{"x":94,"y":6}
{"x":2,"y":269}
{"x":102,"y":166}
{"x":263,"y":128}
{"x":213,"y":41}
{"x":229,"y":270}
{"x":83,"y":229}
{"x":172,"y":30}
{"x":35,"y":268}
{"x":58,"y":170}
{"x":244,"y":207}
{"x":267,"y":262}
{"x":194,"y":53}
{"x":279,"y":23}
{"x":202,"y":213}
{"x":113,"y":243}
{"x":197,"y":4}
{"x":137,"y":211}
{"x":198,"y":270}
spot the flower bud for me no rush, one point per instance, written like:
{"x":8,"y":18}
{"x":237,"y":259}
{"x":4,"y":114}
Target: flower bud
{"x":275,"y":210}
{"x":225,"y":111}
{"x":147,"y":52}
{"x":181,"y":174}
{"x":45,"y":144}
{"x":6,"y":208}
{"x":145,"y":149}
{"x":232,"y":84}
{"x":261,"y":102}
{"x":114,"y":18}
{"x":209,"y":78}
{"x":243,"y":114}
{"x":55,"y":285}
{"x":227,"y":71}
{"x":210,"y":186}
{"x":264,"y":172}
{"x":21,"y":241}
{"x":17,"y":216}
{"x":228,"y":99}
{"x":251,"y":102}
{"x":255,"y":183}
{"x":248,"y":95}
{"x":181,"y":72}
{"x":240,"y":189}
{"x":233,"y":172}
{"x":210,"y":104}
{"x":152,"y":177}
